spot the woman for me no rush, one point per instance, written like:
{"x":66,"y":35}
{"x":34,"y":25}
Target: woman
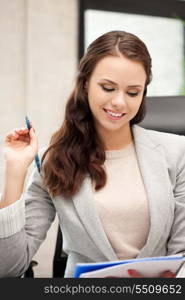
{"x":118,"y":189}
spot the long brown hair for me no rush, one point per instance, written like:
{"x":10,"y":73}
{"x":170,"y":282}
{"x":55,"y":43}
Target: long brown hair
{"x":75,"y":150}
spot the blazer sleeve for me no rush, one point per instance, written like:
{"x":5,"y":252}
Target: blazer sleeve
{"x":27,"y":226}
{"x":176,"y":241}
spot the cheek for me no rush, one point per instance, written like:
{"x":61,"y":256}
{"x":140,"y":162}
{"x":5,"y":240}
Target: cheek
{"x":134,"y":105}
{"x":96,"y":99}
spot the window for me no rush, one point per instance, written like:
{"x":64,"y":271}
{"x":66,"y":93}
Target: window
{"x":160,"y":24}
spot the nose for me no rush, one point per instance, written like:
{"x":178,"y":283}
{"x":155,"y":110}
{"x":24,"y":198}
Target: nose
{"x":119,"y":101}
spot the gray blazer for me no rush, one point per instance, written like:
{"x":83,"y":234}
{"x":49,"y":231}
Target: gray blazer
{"x":161,"y":158}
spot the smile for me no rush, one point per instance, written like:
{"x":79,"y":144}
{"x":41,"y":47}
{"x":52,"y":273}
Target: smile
{"x":114,"y":115}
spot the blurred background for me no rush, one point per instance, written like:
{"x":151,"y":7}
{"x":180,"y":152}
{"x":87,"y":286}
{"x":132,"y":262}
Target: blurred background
{"x":41,"y":42}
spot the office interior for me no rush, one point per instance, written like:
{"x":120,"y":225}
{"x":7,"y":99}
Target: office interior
{"x":41,"y":44}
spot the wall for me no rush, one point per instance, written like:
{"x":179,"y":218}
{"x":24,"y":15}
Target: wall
{"x":38,"y":58}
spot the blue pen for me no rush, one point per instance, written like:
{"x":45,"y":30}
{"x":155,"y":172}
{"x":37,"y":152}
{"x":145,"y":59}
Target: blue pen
{"x":37,"y":161}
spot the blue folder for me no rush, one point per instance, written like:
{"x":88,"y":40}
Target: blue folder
{"x":88,"y":267}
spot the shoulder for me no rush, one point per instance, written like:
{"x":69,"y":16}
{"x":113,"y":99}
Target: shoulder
{"x":165,"y":137}
{"x":158,"y":137}
{"x":173,"y":144}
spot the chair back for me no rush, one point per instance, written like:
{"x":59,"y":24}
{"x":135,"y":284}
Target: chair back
{"x":166,"y":114}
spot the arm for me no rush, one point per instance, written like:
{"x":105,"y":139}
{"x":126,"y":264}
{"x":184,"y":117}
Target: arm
{"x":24,"y":228}
{"x":21,"y":236}
{"x":14,"y":184}
{"x":176,"y":241}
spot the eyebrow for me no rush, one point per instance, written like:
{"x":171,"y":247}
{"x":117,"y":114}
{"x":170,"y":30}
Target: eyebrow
{"x":134,"y":85}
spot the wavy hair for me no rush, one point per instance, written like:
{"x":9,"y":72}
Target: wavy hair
{"x":76,"y":150}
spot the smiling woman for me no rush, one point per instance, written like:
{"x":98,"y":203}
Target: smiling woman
{"x":116,"y":61}
{"x":118,"y":189}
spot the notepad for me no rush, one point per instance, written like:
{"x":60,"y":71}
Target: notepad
{"x":149,"y":267}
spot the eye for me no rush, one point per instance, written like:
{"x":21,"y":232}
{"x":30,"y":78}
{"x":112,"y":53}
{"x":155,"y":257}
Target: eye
{"x":132,"y":94}
{"x":107,"y":89}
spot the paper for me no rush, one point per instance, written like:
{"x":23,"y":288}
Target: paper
{"x":147,"y":267}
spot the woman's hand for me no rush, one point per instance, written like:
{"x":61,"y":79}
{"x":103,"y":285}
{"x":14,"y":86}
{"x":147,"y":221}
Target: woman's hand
{"x":166,"y":274}
{"x":20,"y":147}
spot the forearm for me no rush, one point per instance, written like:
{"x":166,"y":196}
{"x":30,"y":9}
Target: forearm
{"x":13,"y":184}
{"x":14,"y":255}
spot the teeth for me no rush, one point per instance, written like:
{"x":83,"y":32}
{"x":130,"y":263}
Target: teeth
{"x":114,"y":114}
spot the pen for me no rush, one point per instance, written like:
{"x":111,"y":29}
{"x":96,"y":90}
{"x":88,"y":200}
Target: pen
{"x":37,"y":161}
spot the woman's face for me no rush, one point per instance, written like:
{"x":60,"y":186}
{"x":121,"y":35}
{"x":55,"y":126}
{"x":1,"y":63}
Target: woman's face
{"x":115,"y":91}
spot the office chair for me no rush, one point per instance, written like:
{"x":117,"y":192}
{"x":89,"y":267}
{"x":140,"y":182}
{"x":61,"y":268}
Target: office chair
{"x":60,"y":257}
{"x":165,"y":114}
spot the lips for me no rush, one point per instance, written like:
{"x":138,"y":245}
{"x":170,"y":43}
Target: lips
{"x":113,"y":115}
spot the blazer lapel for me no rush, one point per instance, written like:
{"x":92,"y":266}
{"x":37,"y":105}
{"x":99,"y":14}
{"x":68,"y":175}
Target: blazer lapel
{"x":154,"y":171}
{"x":84,"y":204}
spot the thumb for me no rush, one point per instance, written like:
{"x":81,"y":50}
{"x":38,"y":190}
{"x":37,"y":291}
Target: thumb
{"x":32,"y":132}
{"x":33,"y":137}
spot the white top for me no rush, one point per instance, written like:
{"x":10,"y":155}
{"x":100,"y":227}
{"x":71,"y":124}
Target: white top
{"x":122,"y":203}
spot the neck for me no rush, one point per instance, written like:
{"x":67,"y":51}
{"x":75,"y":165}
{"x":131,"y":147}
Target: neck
{"x":116,"y":140}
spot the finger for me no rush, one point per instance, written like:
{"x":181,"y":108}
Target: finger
{"x":16,"y":133}
{"x":12,"y":135}
{"x":21,"y":130}
{"x":9,"y":134}
{"x":21,"y":133}
{"x":168,"y":274}
{"x":134,"y":273}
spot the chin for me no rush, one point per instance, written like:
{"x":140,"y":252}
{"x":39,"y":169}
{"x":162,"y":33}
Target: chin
{"x":113,"y":127}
